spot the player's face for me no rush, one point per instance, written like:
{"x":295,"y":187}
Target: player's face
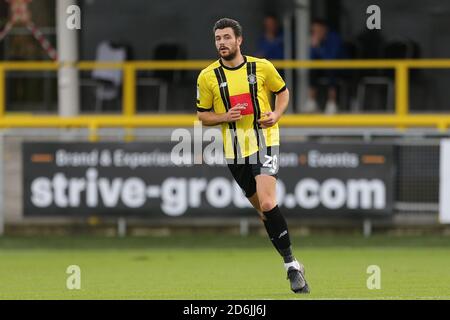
{"x":227,"y":44}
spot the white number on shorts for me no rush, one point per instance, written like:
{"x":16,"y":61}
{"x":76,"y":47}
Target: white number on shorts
{"x":271,"y":162}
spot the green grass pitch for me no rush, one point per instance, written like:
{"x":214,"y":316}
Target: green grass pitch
{"x":222,"y":267}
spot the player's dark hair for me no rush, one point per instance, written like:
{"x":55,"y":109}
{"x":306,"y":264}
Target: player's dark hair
{"x":228,"y":23}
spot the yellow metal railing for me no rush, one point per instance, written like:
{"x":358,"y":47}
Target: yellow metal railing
{"x":129,"y":119}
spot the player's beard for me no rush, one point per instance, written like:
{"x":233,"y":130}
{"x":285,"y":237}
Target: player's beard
{"x":232,"y":52}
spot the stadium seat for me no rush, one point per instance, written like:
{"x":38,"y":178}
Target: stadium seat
{"x":399,"y":49}
{"x":162,"y":79}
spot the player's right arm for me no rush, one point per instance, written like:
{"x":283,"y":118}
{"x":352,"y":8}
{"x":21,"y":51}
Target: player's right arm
{"x":210,"y":118}
{"x":205,"y":110}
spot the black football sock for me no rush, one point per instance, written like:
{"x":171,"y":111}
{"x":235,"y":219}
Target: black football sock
{"x":277,"y":230}
{"x":271,"y":239}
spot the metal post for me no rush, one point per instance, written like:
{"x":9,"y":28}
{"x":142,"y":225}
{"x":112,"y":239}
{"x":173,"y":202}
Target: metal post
{"x":401,"y":90}
{"x":2,"y":91}
{"x":288,"y":73}
{"x":129,"y":90}
{"x":302,"y":50}
{"x":129,"y":97}
{"x":67,"y":40}
{"x":121,"y":227}
{"x":367,"y":228}
{"x":243,"y":227}
{"x":93,"y":132}
{"x":2,"y":202}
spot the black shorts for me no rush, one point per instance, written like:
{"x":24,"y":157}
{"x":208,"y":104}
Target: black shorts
{"x":245,"y":170}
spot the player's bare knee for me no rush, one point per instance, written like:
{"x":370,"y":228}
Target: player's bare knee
{"x":267,"y":205}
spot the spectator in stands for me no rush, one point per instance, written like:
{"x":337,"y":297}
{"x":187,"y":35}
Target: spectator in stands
{"x":270,"y":44}
{"x":325,"y":45}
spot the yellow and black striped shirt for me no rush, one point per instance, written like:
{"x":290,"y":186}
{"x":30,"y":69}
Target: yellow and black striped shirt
{"x":251,"y":84}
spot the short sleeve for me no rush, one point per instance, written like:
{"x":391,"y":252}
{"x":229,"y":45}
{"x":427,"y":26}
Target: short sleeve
{"x":274,"y":82}
{"x":204,"y":94}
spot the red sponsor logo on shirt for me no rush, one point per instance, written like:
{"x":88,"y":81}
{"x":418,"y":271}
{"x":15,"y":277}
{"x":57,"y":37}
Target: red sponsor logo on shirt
{"x":244,"y":100}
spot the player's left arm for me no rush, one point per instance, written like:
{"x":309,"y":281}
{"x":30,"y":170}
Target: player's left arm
{"x":281,"y":103}
{"x":276,"y":84}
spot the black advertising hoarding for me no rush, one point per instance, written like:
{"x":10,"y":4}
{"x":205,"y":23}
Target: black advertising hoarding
{"x":140,"y":179}
{"x":338,"y":178}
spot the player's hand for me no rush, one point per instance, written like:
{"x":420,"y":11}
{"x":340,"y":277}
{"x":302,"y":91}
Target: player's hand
{"x":234,"y":114}
{"x":268,"y":119}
